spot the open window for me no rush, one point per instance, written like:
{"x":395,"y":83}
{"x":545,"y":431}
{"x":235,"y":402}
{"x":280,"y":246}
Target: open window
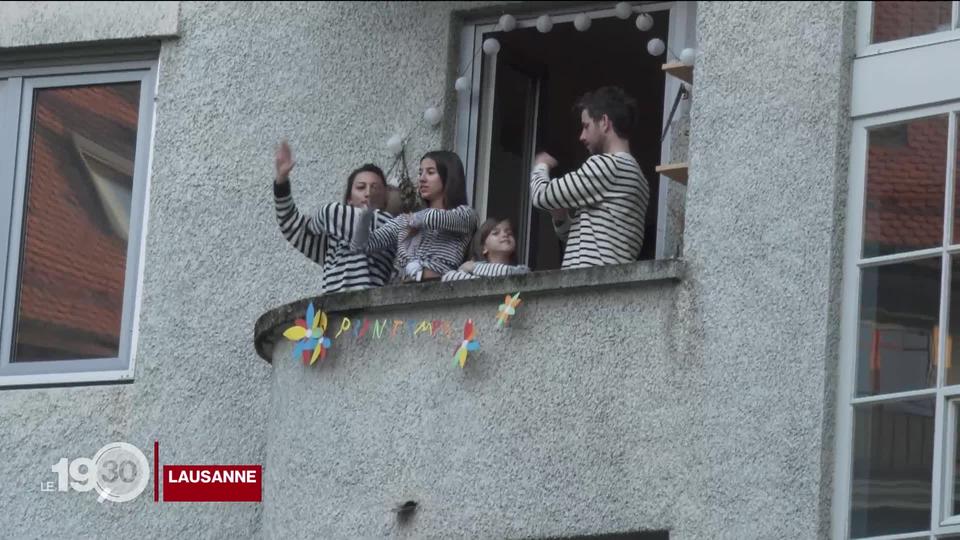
{"x":521,"y":102}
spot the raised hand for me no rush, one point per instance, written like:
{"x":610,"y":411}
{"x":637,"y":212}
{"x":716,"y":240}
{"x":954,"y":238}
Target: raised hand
{"x":284,"y":162}
{"x":546,"y":159}
{"x":413,"y":228}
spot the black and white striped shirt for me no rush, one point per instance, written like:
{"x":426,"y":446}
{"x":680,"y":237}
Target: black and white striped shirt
{"x":325,"y":239}
{"x":608,"y":197}
{"x":486,"y":269}
{"x":439,"y":241}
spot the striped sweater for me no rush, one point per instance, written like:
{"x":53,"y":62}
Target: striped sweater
{"x":439,"y":240}
{"x":325,"y":239}
{"x":485,"y":269}
{"x":608,"y":199}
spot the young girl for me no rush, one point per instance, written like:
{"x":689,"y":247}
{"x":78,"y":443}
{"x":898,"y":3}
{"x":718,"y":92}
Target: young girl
{"x":325,"y":236}
{"x":493,"y":253}
{"x":433,"y":241}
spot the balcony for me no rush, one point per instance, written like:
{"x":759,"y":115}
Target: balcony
{"x":574,"y":419}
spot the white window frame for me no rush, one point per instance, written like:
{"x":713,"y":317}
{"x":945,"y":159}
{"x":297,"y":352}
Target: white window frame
{"x":875,"y":103}
{"x":681,"y":34}
{"x":864,"y":29}
{"x":16,"y":88}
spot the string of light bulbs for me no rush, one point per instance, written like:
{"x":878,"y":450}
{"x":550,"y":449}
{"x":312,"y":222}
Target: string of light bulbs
{"x":491,"y":46}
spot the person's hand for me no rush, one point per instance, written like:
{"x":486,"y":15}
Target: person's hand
{"x":468,"y":267}
{"x":284,"y":162}
{"x":378,"y":197}
{"x":412,"y":228}
{"x":545,"y":159}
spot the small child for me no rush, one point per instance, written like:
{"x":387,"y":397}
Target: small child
{"x":493,"y":253}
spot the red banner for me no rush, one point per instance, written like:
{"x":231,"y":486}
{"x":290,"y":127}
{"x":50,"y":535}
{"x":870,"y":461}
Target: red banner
{"x":212,"y":483}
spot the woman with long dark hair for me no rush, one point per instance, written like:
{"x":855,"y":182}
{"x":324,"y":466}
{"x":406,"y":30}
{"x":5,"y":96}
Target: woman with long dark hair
{"x":432,"y":241}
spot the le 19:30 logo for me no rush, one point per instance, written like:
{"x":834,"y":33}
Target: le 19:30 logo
{"x":119,"y":472}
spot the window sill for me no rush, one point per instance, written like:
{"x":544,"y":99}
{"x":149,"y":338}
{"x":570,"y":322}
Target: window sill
{"x":266,"y":329}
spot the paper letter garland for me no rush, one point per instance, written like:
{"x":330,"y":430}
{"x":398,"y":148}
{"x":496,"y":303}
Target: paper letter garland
{"x":312,"y":343}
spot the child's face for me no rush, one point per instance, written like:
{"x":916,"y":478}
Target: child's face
{"x":500,"y":240}
{"x":430,"y":184}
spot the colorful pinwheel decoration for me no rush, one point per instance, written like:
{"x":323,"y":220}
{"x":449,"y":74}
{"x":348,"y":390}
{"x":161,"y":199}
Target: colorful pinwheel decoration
{"x":469,"y":344}
{"x":311,"y":343}
{"x":507,"y":309}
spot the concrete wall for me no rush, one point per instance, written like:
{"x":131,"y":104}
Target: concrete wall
{"x":26,"y":24}
{"x":575,"y":420}
{"x":752,"y":351}
{"x":764,"y":224}
{"x":337,"y":80}
{"x":198,"y":389}
{"x":739,"y":357}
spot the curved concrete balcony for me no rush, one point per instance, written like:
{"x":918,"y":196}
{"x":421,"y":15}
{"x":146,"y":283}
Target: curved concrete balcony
{"x":574,"y":418}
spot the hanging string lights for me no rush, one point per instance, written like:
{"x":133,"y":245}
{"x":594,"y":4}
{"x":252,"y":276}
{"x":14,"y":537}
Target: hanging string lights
{"x":433,"y":114}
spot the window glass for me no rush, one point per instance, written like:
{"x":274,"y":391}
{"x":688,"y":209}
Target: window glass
{"x":898,"y":20}
{"x":906,"y":180}
{"x":892,"y":468}
{"x":70,"y":289}
{"x":899,"y":309}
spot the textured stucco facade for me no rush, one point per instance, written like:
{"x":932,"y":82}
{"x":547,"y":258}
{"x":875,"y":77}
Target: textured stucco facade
{"x":701,"y":404}
{"x":27,"y":24}
{"x":763,"y":236}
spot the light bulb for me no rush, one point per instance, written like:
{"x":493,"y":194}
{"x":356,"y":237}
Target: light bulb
{"x":491,"y":46}
{"x":582,"y":22}
{"x":644,"y":22}
{"x":395,"y":144}
{"x":461,"y":84}
{"x":544,"y":24}
{"x":507,"y":22}
{"x":656,"y":47}
{"x":688,"y":56}
{"x":432,"y":116}
{"x":624,"y":10}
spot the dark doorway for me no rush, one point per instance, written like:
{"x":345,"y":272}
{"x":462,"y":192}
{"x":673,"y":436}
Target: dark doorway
{"x":538,"y":79}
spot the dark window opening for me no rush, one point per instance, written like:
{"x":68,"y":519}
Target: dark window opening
{"x":538,"y":79}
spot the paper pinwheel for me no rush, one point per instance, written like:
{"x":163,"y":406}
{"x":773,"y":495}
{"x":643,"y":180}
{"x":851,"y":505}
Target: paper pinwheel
{"x":469,"y":344}
{"x":311,"y":343}
{"x":508,"y":308}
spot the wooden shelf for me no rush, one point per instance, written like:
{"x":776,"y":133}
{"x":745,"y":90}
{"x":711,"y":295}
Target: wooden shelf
{"x":676,"y":171}
{"x":684,"y":72}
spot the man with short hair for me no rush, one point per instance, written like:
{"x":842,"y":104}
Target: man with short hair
{"x":602,"y":205}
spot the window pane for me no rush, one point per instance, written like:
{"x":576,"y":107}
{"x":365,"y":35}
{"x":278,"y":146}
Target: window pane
{"x":906,"y":177}
{"x":955,"y":237}
{"x":77,"y":216}
{"x":899,"y":308}
{"x":892,"y":467}
{"x":898,"y":20}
